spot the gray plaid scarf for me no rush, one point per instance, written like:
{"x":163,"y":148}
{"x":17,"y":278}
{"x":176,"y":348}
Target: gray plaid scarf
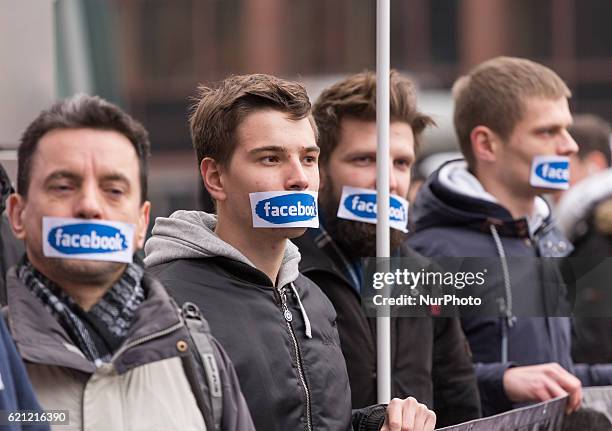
{"x":114,"y":311}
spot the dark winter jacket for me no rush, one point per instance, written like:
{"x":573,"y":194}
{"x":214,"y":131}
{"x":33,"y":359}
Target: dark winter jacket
{"x":11,"y":249}
{"x":453,"y":216}
{"x":430,"y":356}
{"x":282,"y":339}
{"x":585,"y":217}
{"x":152,"y":381}
{"x":15,"y":389}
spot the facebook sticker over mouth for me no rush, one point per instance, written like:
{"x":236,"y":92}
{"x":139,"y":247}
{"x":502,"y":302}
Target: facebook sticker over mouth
{"x":284,"y":209}
{"x":88,"y":239}
{"x":360,"y":205}
{"x":551,"y":172}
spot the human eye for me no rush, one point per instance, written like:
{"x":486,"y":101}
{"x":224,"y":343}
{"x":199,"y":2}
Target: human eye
{"x":311,"y":159}
{"x":549,"y":132}
{"x":403,"y":163}
{"x":269,"y":159}
{"x":61,"y":186}
{"x":114,"y":190}
{"x":363,"y":160}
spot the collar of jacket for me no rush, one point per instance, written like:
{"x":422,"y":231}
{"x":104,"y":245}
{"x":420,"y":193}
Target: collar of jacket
{"x":318,"y":258}
{"x":154,"y":335}
{"x":438,"y":205}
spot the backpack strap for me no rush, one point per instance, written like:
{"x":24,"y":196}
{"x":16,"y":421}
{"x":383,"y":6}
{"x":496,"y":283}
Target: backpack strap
{"x":202,"y":339}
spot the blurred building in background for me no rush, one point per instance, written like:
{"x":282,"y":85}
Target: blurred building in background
{"x":149,"y":56}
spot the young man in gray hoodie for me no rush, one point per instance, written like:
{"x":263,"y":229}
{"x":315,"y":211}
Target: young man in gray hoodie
{"x":254,"y":134}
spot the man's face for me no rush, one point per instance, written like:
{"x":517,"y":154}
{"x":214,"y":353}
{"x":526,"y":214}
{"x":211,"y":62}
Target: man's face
{"x":273,"y":153}
{"x":80,"y":173}
{"x":353,"y":163}
{"x":541,"y":131}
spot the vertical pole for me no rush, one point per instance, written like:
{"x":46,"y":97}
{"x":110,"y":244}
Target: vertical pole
{"x":383,"y":330}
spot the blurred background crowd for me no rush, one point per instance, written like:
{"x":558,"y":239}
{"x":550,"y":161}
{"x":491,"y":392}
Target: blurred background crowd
{"x":149,"y":55}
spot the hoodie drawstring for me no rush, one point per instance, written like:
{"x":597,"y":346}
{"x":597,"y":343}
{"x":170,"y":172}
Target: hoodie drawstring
{"x":304,"y":315}
{"x":507,"y":307}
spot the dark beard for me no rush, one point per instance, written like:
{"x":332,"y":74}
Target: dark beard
{"x":356,"y":239}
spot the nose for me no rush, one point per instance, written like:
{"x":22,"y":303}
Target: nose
{"x":88,"y":204}
{"x":567,"y":145}
{"x":297,"y":180}
{"x":393,"y":183}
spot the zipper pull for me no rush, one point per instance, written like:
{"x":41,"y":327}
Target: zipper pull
{"x":286,"y":312}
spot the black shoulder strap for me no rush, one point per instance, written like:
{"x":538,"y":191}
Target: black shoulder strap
{"x":200,"y":334}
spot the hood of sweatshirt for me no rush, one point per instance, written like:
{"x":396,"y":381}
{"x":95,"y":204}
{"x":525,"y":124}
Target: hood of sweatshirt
{"x":191,"y":235}
{"x":453,"y":196}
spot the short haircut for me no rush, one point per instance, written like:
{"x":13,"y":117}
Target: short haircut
{"x":219,"y":111}
{"x":82,"y":112}
{"x":355,"y":98}
{"x":493,"y":94}
{"x":591,"y":133}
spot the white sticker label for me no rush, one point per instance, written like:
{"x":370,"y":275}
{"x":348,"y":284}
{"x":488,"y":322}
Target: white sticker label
{"x":284,"y":209}
{"x":360,"y":205}
{"x":88,"y":239}
{"x":550,"y":172}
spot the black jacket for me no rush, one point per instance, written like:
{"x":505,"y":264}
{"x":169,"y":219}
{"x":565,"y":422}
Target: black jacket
{"x":282,"y":340}
{"x":245,"y":313}
{"x":447,"y":223}
{"x":430,"y":356}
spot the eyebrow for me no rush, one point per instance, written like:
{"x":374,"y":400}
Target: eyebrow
{"x":112,"y":176}
{"x":57,"y":175}
{"x":116,"y":176}
{"x":279,"y":149}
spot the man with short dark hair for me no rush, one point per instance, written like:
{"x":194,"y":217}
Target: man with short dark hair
{"x":437,"y":370}
{"x":99,"y":336}
{"x":512,"y":118}
{"x":257,"y":151}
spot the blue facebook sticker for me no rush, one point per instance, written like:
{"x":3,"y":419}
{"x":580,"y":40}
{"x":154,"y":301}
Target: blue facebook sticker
{"x":87,"y":239}
{"x":550,"y":172}
{"x":284,"y":209}
{"x":360,"y":205}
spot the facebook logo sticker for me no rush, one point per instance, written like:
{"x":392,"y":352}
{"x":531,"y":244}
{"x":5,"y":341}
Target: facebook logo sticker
{"x":284,"y":209}
{"x":550,"y":172}
{"x":360,"y":205}
{"x":88,"y":239}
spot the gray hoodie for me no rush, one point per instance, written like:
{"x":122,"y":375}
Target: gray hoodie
{"x":190,"y":234}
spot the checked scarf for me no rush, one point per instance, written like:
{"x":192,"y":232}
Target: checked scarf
{"x":113,"y":313}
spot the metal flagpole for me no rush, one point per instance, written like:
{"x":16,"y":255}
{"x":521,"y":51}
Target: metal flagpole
{"x":383,"y":331}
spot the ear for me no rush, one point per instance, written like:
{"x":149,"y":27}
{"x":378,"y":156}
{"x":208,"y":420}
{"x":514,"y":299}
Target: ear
{"x":143,"y":224}
{"x":212,"y":174}
{"x":15,"y":207}
{"x":484,"y":144}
